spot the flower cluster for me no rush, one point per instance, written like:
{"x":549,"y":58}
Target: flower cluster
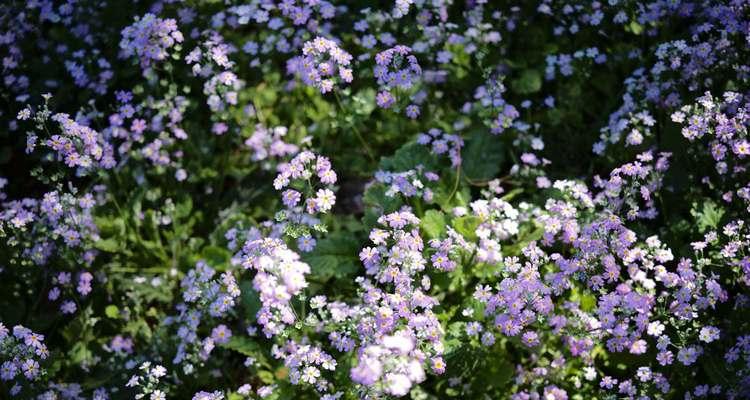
{"x":411,"y":183}
{"x":57,"y":221}
{"x":147,"y":383}
{"x":395,"y":68}
{"x":305,"y":363}
{"x":22,"y":350}
{"x":390,"y":367}
{"x":280,"y":276}
{"x":322,"y":64}
{"x":306,"y":196}
{"x":723,"y":124}
{"x":205,"y":298}
{"x":443,"y":143}
{"x":268,"y":143}
{"x":150,"y":38}
{"x":398,"y":330}
{"x":632,"y":184}
{"x":77,"y":146}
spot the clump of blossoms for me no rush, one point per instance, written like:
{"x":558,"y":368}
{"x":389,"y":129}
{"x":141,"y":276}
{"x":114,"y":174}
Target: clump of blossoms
{"x":150,"y":38}
{"x":205,"y":298}
{"x":504,"y":119}
{"x":728,"y":247}
{"x":630,"y":301}
{"x":280,"y":276}
{"x":57,"y":222}
{"x":22,"y":351}
{"x":633,"y":184}
{"x":737,"y":359}
{"x":211,"y":62}
{"x":491,"y":104}
{"x":66,"y":289}
{"x":322,"y":64}
{"x":721,"y":124}
{"x":306,"y":363}
{"x":268,"y":143}
{"x":395,"y":68}
{"x":309,"y":180}
{"x":522,"y":297}
{"x":149,"y":130}
{"x":398,"y":330}
{"x":390,"y":367}
{"x":147,"y":382}
{"x":77,"y":145}
{"x":411,"y":183}
{"x":216,"y":395}
{"x":443,"y":143}
{"x":498,"y":221}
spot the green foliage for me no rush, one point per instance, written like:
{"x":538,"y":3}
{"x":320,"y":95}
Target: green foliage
{"x":334,"y":257}
{"x":483,"y":157}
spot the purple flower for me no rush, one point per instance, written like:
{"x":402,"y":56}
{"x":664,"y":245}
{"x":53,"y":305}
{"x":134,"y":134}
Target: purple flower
{"x":30,"y":369}
{"x":384,"y":99}
{"x":221,"y":334}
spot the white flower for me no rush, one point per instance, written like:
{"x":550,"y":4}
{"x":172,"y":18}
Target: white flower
{"x":158,"y":371}
{"x":158,"y":395}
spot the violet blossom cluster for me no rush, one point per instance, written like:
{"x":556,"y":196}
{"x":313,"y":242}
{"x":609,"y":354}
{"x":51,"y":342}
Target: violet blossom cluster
{"x":22,"y":352}
{"x":631,"y":188}
{"x":310,"y":179}
{"x":398,"y":330}
{"x":150,"y":39}
{"x":77,"y":145}
{"x":395,"y":69}
{"x":306,"y":365}
{"x":322,"y":65}
{"x":205,"y":299}
{"x":279,"y":277}
{"x":443,"y":143}
{"x":721,"y":124}
{"x":58,"y":222}
{"x":149,"y":130}
{"x":411,"y":183}
{"x":269,"y":144}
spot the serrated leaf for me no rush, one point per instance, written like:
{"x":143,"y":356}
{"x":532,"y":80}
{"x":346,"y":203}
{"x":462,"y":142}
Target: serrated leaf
{"x":467,"y":226}
{"x":334,"y":256}
{"x":482,"y":156}
{"x":433,"y":224}
{"x":408,"y":157}
{"x":707,"y":216}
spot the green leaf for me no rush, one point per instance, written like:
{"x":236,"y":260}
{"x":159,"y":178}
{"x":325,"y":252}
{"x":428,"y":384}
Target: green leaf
{"x":708,"y":216}
{"x":483,"y":156}
{"x":217,"y":257}
{"x":433,"y":224}
{"x":242,"y":345}
{"x":529,"y":82}
{"x":112,"y":311}
{"x":335,"y":256}
{"x":378,"y":203}
{"x":250,"y":299}
{"x":467,"y":226}
{"x":108,"y":245}
{"x":408,"y":157}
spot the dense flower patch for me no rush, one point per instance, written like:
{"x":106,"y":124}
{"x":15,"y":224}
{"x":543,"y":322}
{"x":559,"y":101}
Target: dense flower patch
{"x":426,"y":199}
